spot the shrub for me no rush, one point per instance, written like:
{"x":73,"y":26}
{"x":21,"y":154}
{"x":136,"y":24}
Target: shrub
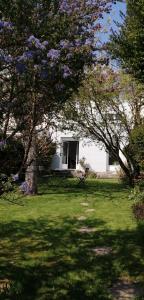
{"x":92,"y":174}
{"x":138,"y":210}
{"x":11,"y":156}
{"x":138,"y":207}
{"x":122,"y":177}
{"x":46,"y":148}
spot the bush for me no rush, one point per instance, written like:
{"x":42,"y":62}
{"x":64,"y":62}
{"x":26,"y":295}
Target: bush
{"x":138,"y":207}
{"x":11,"y":156}
{"x":92,"y":174}
{"x":46,"y":148}
{"x":138,"y":211}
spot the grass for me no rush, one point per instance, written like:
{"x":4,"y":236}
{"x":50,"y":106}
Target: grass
{"x":44,"y":255}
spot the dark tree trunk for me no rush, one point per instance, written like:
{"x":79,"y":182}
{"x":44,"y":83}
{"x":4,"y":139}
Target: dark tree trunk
{"x":31,"y":169}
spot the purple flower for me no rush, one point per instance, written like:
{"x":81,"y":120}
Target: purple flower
{"x":64,"y":44}
{"x":8,"y":59}
{"x":15,"y":177}
{"x":45,"y":43}
{"x":25,"y":188}
{"x":53,"y":54}
{"x":28,"y":55}
{"x":78,"y":42}
{"x":4,"y":24}
{"x":66,"y":71}
{"x":88,"y":41}
{"x":32,"y":40}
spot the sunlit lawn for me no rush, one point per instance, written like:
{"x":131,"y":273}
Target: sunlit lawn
{"x":46,"y":257}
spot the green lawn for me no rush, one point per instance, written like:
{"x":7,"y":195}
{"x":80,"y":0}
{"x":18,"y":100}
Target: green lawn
{"x":45,"y":256}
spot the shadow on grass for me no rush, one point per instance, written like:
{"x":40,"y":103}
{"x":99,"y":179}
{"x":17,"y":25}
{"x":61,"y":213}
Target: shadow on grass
{"x":52,"y":260}
{"x":65,"y":185}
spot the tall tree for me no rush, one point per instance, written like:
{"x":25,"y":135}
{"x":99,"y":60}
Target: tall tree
{"x":45,"y":46}
{"x":127,"y":43}
{"x":106,"y":109}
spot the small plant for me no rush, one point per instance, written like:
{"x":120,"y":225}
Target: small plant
{"x":90,"y":174}
{"x":138,"y":207}
{"x":122,"y":176}
{"x":138,"y":211}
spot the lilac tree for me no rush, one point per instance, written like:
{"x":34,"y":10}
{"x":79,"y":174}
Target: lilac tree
{"x":45,"y":47}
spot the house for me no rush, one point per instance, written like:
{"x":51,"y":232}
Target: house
{"x":72,"y":149}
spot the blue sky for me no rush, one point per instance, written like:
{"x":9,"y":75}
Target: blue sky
{"x":108,"y":21}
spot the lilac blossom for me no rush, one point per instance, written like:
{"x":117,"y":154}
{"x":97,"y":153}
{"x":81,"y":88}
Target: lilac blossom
{"x":66,"y":71}
{"x":25,"y":188}
{"x":28,"y":55}
{"x":4,"y":24}
{"x":78,"y":42}
{"x":6,"y":58}
{"x":64,"y":44}
{"x":68,"y":7}
{"x":45,"y":43}
{"x":53,"y":54}
{"x":33,"y":41}
{"x":88,"y":42}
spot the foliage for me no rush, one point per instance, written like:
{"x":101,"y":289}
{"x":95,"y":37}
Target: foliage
{"x":137,"y":144}
{"x":137,"y":195}
{"x":127,"y":43}
{"x":138,"y":211}
{"x":45,"y":47}
{"x":11,"y":156}
{"x":46,"y":58}
{"x":46,"y":148}
{"x":106,"y":108}
{"x":122,"y":176}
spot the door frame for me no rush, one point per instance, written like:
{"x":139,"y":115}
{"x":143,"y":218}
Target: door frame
{"x":66,"y":139}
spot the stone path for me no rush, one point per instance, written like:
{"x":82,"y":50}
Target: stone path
{"x":84,"y":204}
{"x":122,"y":289}
{"x":81,"y":218}
{"x":90,"y":210}
{"x":4,"y":285}
{"x":102,"y":250}
{"x":126,"y":290}
{"x":86,"y":229}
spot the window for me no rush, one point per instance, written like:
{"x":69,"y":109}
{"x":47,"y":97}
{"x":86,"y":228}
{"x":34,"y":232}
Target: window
{"x":65,"y":153}
{"x":112,"y":160}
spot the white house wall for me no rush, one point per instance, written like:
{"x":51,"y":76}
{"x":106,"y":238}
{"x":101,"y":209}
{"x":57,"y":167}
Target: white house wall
{"x":96,"y":159}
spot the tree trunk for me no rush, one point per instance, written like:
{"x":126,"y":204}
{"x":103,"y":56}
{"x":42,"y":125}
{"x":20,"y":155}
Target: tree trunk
{"x":127,"y":172}
{"x":31,"y":169}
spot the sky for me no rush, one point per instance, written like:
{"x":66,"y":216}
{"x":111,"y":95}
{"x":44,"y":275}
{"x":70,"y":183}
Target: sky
{"x":109,"y":19}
